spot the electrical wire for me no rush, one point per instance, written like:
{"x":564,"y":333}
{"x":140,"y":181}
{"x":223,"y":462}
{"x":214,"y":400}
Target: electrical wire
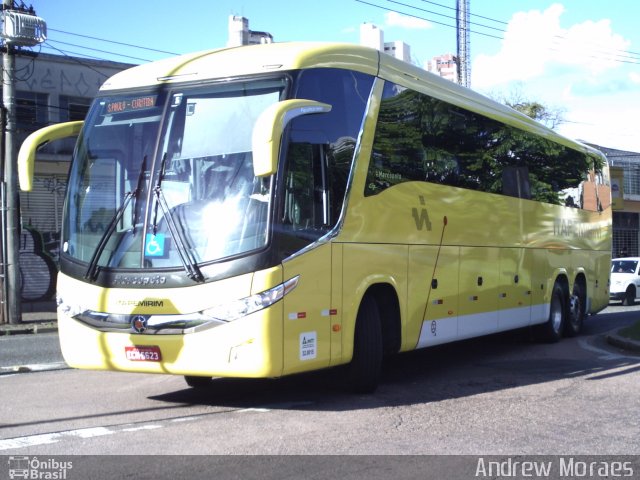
{"x":112,"y":41}
{"x":624,"y":56}
{"x":78,"y":61}
{"x":97,"y":50}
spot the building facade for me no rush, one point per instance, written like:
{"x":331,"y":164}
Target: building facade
{"x":239,"y":33}
{"x":372,"y":36}
{"x":626,"y":217}
{"x":49,"y":89}
{"x":445,"y":66}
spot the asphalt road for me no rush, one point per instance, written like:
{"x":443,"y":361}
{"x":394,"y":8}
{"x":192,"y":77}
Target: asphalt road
{"x":30,"y":350}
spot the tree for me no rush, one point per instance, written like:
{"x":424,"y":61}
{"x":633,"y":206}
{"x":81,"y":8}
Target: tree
{"x":551,"y":117}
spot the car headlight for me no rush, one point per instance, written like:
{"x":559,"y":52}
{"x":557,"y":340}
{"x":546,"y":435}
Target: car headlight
{"x":245,"y":306}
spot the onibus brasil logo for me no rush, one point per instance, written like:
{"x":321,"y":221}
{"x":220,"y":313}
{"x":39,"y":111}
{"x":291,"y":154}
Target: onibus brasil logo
{"x":28,"y":467}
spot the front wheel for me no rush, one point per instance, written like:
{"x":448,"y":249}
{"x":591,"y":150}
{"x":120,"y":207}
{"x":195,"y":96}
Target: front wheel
{"x":363,"y":373}
{"x":551,"y":331}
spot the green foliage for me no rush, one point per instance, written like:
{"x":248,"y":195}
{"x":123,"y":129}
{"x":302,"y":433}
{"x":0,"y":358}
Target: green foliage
{"x":421,"y":138}
{"x":632,"y":332}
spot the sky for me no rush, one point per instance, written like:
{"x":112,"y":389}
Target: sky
{"x":581,"y":57}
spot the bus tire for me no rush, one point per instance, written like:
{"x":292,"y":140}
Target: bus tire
{"x":198,"y":382}
{"x":576,"y":313}
{"x":363,"y":373}
{"x":629,"y":298}
{"x":551,"y":330}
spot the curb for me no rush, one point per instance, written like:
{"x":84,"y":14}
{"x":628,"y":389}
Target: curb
{"x":623,"y":342}
{"x":26,"y":328}
{"x":36,"y":367}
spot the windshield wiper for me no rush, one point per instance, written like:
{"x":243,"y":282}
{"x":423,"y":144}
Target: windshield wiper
{"x":134,"y":210}
{"x":189,"y":263}
{"x":92,"y":269}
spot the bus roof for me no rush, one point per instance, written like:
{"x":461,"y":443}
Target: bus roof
{"x":266,"y":58}
{"x":255,"y":59}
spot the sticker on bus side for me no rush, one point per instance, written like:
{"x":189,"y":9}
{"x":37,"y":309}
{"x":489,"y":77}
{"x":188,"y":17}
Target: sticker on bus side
{"x":145,"y":353}
{"x":308,"y":344}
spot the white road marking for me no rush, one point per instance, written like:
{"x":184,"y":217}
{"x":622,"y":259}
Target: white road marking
{"x":48,"y":438}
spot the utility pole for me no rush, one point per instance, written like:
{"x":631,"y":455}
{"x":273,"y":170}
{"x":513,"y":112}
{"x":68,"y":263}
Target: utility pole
{"x":20,"y":28}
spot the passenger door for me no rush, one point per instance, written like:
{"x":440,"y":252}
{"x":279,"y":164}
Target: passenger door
{"x":308,"y":311}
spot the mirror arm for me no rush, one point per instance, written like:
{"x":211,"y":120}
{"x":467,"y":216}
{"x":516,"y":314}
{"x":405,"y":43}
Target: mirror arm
{"x":27,"y":153}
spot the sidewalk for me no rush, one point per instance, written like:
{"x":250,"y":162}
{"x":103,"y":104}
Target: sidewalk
{"x":623,"y":342}
{"x":37,"y":317}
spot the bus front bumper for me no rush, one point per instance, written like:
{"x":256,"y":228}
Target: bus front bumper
{"x":248,"y":347}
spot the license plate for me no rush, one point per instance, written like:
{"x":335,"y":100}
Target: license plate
{"x":138,"y":353}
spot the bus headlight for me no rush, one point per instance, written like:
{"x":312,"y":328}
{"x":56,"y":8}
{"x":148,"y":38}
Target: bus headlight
{"x":245,"y":306}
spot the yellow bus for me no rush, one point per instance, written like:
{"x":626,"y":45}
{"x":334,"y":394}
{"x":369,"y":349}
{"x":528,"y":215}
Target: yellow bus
{"x":267,"y":210}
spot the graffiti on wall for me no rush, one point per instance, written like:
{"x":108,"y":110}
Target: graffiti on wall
{"x":52,"y":78}
{"x":37,"y":268}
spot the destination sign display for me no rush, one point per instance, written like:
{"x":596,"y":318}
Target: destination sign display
{"x":131,"y":104}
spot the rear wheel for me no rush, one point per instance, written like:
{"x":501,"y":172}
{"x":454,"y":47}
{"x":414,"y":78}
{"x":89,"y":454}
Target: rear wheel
{"x":198,"y":382}
{"x":551,"y":331}
{"x":629,"y":296}
{"x":363,"y":373}
{"x":577,"y":304}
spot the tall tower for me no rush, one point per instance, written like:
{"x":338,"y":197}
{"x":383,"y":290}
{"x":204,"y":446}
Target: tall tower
{"x":464,"y":53}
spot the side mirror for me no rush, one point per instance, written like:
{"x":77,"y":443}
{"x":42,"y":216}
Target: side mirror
{"x":269,"y":127}
{"x":27,"y":153}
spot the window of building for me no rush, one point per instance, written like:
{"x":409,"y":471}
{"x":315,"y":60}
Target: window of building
{"x":32,"y":110}
{"x":73,"y":108}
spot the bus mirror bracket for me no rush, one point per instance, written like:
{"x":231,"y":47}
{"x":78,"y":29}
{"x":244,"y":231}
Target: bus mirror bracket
{"x":269,"y":127}
{"x":27,"y":153}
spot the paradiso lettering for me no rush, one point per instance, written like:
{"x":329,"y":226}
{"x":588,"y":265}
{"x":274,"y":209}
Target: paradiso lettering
{"x":574,"y":228}
{"x":140,"y":280}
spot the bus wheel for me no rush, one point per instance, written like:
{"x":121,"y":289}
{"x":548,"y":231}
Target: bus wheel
{"x":198,"y":382}
{"x":363,"y":373}
{"x":551,"y":331}
{"x":629,"y":296}
{"x":576,"y":312}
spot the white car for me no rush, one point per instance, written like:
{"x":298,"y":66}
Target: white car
{"x":625,"y":280}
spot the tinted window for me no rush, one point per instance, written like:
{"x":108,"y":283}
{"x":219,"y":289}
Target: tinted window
{"x":321,"y":148}
{"x":421,"y":138}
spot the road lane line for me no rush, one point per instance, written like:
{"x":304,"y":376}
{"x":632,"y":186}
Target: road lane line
{"x":49,"y":438}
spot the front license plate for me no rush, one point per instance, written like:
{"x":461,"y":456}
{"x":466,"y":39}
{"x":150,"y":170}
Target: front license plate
{"x":143,"y":353}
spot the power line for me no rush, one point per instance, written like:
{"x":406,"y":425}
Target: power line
{"x":113,"y":42}
{"x":427,"y":19}
{"x":472,"y":14}
{"x":98,"y":50}
{"x":78,"y":61}
{"x":446,"y":16}
{"x":624,"y":57}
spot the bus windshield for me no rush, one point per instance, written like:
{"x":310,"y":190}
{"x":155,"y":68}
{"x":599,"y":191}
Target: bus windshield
{"x":165,"y":178}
